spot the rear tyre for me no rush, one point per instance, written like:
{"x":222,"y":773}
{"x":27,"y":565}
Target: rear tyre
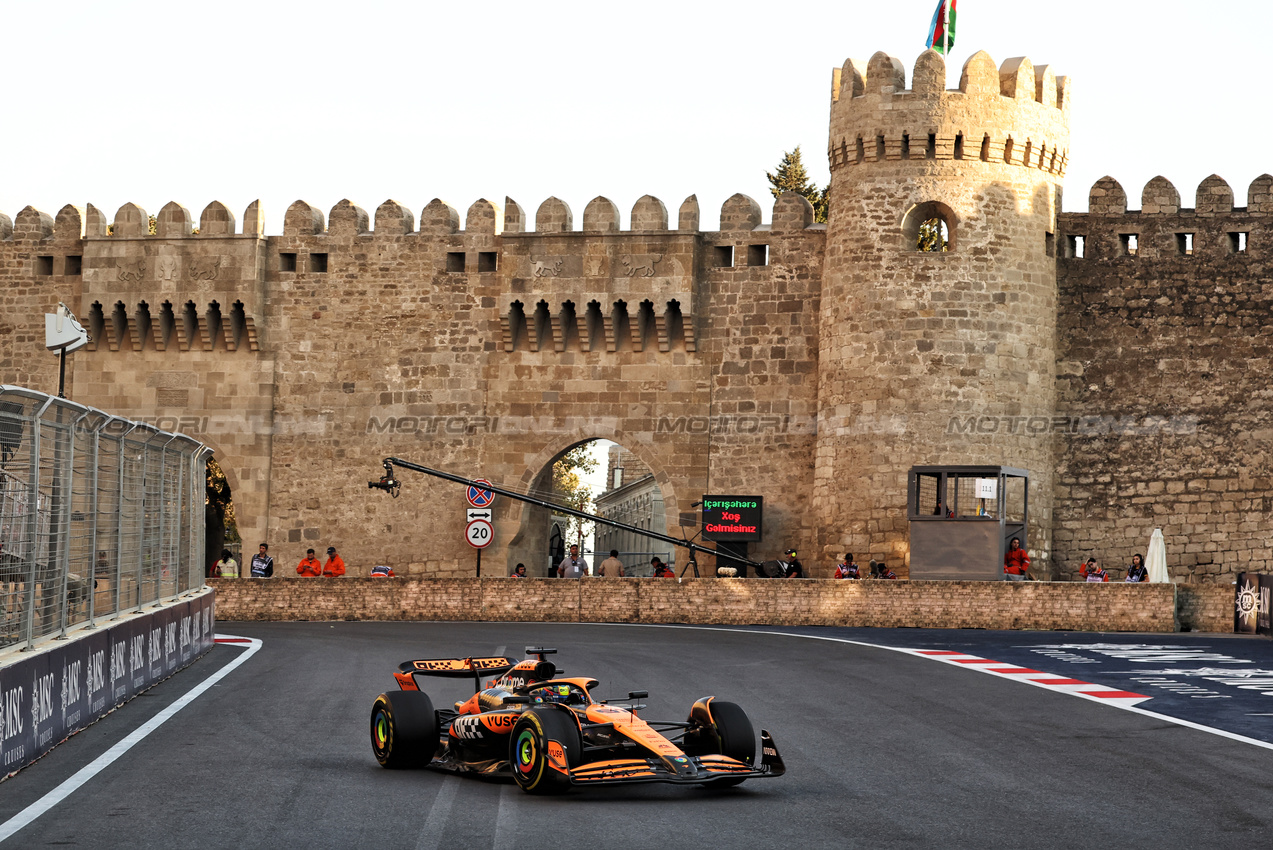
{"x":729,"y":734}
{"x":404,"y":729}
{"x":536,"y":732}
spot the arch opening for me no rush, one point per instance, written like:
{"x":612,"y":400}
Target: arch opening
{"x":929,"y":227}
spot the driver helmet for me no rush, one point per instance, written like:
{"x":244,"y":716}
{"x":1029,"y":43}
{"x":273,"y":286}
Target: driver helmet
{"x":553,"y":694}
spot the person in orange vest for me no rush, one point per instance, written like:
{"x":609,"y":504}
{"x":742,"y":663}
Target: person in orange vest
{"x":309,"y":567}
{"x":661,"y":570}
{"x":381,"y":571}
{"x":1016,"y":561}
{"x":335,"y":565}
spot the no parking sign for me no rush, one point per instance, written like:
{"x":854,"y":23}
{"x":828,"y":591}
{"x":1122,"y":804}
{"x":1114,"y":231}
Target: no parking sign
{"x":479,"y":497}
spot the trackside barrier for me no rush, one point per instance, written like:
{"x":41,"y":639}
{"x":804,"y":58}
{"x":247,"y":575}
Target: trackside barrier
{"x":1077,"y":606}
{"x":54,"y":692}
{"x":99,"y":515}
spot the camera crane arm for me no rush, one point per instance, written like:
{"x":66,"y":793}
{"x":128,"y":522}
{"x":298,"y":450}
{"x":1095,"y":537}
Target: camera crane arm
{"x":391,"y":486}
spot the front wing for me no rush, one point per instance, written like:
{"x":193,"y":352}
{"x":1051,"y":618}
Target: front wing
{"x":696,"y":770}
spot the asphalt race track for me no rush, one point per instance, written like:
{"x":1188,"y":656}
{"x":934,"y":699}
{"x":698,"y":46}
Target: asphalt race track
{"x":883,"y":749}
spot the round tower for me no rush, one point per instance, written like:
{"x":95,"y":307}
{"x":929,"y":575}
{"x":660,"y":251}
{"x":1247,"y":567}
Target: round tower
{"x":942,"y":356}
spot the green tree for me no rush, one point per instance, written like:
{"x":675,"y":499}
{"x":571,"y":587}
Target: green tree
{"x":932,"y":236}
{"x":570,"y":490}
{"x":221,"y":528}
{"x":792,"y":177}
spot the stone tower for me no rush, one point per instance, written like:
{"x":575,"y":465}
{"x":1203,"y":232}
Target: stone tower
{"x":916,"y":344}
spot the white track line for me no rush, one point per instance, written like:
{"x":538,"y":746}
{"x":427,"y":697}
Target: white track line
{"x":61,"y":792}
{"x":1122,"y":704}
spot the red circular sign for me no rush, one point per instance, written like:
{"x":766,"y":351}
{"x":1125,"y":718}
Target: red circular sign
{"x":478,"y":497}
{"x":479,"y":533}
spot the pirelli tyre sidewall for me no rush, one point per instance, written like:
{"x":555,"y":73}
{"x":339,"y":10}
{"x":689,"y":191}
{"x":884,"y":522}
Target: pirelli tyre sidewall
{"x":538,"y":730}
{"x":404,"y":729}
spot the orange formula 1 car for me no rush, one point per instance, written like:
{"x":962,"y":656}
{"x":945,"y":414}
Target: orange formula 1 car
{"x":549,"y":734}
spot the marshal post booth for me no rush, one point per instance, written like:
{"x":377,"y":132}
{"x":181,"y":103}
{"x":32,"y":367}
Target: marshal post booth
{"x":962,"y":519}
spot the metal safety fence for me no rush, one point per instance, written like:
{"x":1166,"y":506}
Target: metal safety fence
{"x":99,"y":515}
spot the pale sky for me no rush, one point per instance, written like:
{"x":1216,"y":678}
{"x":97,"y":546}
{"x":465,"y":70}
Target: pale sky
{"x":109,"y":102}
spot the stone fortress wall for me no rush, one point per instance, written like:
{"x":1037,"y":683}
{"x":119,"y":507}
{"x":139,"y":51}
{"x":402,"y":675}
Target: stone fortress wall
{"x":811,"y":363}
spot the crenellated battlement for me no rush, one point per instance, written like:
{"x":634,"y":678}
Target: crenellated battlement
{"x":1163,"y":228}
{"x":347,"y":220}
{"x":1015,"y":114}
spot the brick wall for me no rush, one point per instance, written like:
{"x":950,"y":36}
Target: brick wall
{"x":972,"y":605}
{"x":1205,"y":607}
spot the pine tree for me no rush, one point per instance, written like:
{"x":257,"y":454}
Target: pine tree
{"x":792,"y":177}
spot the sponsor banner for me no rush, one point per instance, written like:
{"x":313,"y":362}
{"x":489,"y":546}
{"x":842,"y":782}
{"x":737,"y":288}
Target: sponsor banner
{"x":1263,"y":621}
{"x":1246,"y":603}
{"x":48,"y":696}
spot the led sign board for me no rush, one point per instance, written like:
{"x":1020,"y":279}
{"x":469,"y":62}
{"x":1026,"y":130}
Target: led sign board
{"x":732,"y":518}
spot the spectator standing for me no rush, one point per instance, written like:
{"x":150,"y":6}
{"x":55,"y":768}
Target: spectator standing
{"x":1137,"y":571}
{"x":335,"y":566}
{"x":573,"y":565}
{"x":611,"y":567}
{"x":885,"y":572}
{"x":262,"y":564}
{"x":1091,"y":571}
{"x":661,"y":570}
{"x":847,"y":569}
{"x":519,"y":571}
{"x":1016,"y":561}
{"x":227,"y":567}
{"x":309,"y":567}
{"x":794,"y":569}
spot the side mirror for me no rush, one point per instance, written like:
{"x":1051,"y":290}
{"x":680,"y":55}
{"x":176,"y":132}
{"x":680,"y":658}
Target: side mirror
{"x":517,"y":699}
{"x":638,"y":694}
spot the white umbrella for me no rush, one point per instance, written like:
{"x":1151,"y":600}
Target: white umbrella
{"x":1156,"y":559}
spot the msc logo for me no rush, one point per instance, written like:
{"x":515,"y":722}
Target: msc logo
{"x":96,"y":672}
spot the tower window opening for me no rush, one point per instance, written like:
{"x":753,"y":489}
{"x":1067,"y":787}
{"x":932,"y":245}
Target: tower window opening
{"x":861,"y":150}
{"x":1075,"y":246}
{"x":487,"y":261}
{"x":1184,"y":244}
{"x":287,"y":261}
{"x":985,"y":148}
{"x":724,"y":256}
{"x":1049,"y":244}
{"x":1130,"y":242}
{"x":74,"y":264}
{"x":43,"y":266}
{"x":757,"y":255}
{"x":318,"y":263}
{"x":455,"y":261}
{"x":879,"y":149}
{"x":929,"y":228}
{"x":959,"y":146}
{"x":1237,"y":242}
{"x":931,"y":152}
{"x":906,"y":146}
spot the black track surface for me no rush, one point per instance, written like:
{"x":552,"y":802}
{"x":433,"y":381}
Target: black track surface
{"x":882,"y":750}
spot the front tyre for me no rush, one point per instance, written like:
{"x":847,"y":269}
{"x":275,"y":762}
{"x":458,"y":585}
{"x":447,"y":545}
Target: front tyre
{"x":404,"y":729}
{"x":544,"y":740}
{"x":721,"y":728}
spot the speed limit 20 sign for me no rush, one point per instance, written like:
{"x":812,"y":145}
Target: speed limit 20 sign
{"x":479,"y":533}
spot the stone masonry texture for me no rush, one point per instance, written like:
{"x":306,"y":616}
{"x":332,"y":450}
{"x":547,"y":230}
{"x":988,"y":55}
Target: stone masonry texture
{"x":1077,"y":606}
{"x":1122,"y":357}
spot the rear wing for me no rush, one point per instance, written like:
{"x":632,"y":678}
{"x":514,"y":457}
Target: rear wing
{"x":453,"y":668}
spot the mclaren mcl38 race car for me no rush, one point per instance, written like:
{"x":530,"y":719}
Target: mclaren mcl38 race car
{"x":549,"y":734}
